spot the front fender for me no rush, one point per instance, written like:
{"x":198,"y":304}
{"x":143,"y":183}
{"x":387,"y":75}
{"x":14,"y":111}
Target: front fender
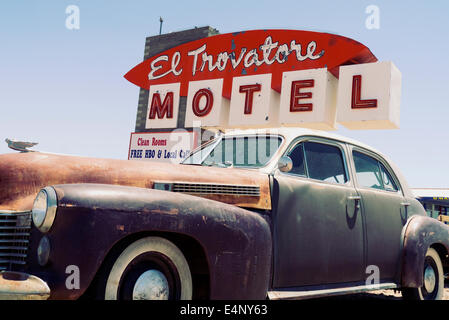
{"x":92,"y":218}
{"x":421,"y":232}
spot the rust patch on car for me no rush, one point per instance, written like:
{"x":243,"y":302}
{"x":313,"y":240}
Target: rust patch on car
{"x":160,"y":211}
{"x":22,"y":175}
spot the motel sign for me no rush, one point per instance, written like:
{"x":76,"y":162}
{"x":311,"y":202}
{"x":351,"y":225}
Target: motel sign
{"x":271,"y":78}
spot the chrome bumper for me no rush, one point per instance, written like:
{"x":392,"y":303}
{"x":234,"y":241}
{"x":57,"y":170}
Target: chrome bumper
{"x":22,"y":286}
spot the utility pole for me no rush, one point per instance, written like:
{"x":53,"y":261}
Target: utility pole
{"x":160,"y":28}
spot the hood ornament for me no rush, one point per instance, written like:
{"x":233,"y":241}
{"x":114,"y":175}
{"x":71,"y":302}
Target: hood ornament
{"x":21,"y":146}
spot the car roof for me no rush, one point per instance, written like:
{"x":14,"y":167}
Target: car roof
{"x":291,"y":133}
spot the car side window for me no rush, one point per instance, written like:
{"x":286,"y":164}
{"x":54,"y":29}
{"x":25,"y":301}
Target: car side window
{"x":325,"y":162}
{"x":322,"y":162}
{"x":387,"y":180}
{"x":371,"y":173}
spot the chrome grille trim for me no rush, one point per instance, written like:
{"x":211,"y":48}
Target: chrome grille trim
{"x":224,"y":189}
{"x":15,"y":229}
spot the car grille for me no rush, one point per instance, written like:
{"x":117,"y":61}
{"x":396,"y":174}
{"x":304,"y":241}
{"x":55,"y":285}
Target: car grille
{"x":204,"y":188}
{"x":14,"y":238}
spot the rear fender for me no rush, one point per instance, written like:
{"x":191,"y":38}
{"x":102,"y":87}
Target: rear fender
{"x":421,"y":232}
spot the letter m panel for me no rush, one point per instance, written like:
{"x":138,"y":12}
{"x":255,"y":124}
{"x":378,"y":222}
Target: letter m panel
{"x":163,"y":106}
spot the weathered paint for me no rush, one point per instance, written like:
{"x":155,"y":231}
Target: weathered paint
{"x":236,"y":242}
{"x":21,"y":286}
{"x":248,"y":53}
{"x":22,"y":175}
{"x":318,"y":234}
{"x":421,"y":233}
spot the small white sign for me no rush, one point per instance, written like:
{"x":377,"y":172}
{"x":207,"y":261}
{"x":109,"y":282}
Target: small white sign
{"x":170,"y":147}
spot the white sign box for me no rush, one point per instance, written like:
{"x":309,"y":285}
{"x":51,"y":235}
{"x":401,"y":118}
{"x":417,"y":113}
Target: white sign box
{"x":253,"y":102}
{"x":369,"y":96}
{"x":308,"y":99}
{"x":162,"y":146}
{"x":366,"y":96}
{"x":206,"y":105}
{"x":163,"y":106}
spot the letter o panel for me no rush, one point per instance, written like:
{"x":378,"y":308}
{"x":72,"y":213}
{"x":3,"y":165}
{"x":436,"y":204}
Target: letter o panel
{"x":206,"y":106}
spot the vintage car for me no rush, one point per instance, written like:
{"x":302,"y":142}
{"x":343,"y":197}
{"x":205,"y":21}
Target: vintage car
{"x":280,"y":214}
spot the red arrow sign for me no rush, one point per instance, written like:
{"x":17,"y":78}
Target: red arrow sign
{"x":248,"y":53}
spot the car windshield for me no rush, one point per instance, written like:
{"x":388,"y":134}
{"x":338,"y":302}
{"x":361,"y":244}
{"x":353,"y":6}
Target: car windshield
{"x":236,"y":151}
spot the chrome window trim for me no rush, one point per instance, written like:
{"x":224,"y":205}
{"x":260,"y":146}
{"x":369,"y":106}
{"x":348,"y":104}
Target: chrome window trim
{"x":212,"y":142}
{"x":322,"y":140}
{"x":377,"y":157}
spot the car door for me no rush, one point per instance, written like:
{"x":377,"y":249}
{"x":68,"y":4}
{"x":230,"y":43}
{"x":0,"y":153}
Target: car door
{"x":318,"y":231}
{"x":384,"y":208}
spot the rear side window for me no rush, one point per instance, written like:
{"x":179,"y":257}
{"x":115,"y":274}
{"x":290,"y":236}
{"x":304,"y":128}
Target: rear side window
{"x":318,"y":161}
{"x":386,"y":179}
{"x":371,"y":173}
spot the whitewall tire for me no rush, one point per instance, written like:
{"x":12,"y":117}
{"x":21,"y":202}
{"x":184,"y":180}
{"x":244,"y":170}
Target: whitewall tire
{"x":151,"y":268}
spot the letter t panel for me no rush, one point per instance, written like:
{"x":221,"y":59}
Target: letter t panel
{"x":253,"y":102}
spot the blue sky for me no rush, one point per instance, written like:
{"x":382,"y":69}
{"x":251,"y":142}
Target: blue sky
{"x":65,"y":88}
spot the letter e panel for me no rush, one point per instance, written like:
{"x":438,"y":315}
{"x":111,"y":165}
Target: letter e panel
{"x":308,"y":99}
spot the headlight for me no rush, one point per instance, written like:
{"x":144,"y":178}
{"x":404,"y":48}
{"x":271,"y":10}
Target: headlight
{"x":44,"y":209}
{"x":43,"y":251}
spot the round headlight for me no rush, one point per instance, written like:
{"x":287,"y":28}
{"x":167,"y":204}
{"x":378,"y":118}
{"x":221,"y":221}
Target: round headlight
{"x":44,"y":209}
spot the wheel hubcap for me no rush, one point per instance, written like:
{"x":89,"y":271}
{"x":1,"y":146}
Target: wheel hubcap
{"x":151,"y":285}
{"x":429,"y":279}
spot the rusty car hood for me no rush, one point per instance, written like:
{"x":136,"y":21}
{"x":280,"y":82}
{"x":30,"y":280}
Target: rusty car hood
{"x":22,"y":175}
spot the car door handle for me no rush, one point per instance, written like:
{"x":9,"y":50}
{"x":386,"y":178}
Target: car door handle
{"x":405,"y":204}
{"x":356,"y":200}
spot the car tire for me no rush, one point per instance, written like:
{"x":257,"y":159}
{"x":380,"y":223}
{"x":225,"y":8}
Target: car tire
{"x":433,"y":286}
{"x":151,"y":268}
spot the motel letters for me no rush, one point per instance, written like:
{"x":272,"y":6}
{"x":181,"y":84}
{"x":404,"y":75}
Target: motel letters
{"x":365,"y":96}
{"x":270,"y":78}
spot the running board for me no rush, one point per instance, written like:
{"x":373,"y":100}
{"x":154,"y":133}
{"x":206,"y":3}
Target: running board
{"x":285,"y":294}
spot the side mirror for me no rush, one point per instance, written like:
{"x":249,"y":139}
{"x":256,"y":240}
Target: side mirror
{"x":285,"y":164}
